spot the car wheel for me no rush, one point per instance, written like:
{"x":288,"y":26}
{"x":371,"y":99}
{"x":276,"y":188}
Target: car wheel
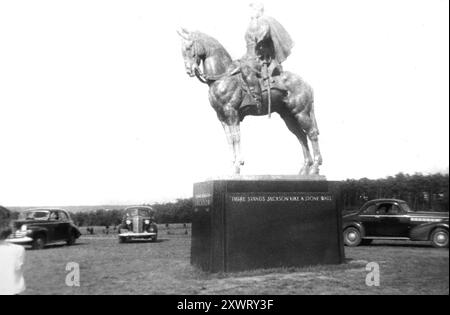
{"x":352,"y":237}
{"x":39,"y":242}
{"x":71,"y":240}
{"x":439,"y":238}
{"x":122,"y":240}
{"x":154,"y":239}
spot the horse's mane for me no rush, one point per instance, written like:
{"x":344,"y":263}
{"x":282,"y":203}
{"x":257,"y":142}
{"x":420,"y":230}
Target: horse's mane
{"x":209,"y":44}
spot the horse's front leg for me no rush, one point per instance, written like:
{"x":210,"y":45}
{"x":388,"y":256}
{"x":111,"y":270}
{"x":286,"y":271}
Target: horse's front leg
{"x":229,"y":137}
{"x":231,"y":125}
{"x":232,"y":132}
{"x":236,"y":136}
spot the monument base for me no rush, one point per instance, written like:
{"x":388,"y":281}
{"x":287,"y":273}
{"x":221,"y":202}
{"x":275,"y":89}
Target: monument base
{"x":245,"y":224}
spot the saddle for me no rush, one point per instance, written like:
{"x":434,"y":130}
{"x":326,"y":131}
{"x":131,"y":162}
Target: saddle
{"x":249,"y":105}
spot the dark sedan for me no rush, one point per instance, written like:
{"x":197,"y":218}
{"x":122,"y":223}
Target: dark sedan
{"x":393,"y":219}
{"x":41,"y":227}
{"x":138,"y":224}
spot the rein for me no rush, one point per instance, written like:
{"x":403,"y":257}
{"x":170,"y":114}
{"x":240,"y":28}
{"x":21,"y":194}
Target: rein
{"x":206,"y":79}
{"x":200,"y":76}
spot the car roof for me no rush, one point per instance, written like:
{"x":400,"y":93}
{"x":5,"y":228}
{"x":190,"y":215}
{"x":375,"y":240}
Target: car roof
{"x":385,"y":200}
{"x":139,"y":207}
{"x":45,"y":209}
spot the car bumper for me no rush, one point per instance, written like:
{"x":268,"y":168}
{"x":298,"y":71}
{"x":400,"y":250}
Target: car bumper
{"x":21,"y":240}
{"x":137,"y":235}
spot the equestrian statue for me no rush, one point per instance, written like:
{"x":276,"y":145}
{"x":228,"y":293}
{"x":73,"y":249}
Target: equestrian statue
{"x":254,"y":85}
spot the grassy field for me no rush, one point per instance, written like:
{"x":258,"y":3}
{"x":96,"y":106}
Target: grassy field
{"x":163,"y":268}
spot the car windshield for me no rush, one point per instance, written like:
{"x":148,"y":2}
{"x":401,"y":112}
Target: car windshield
{"x":138,"y":212}
{"x":35,"y":215}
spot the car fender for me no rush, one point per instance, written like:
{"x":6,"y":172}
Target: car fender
{"x":38,"y":230}
{"x":74,"y":228}
{"x":423,"y":232}
{"x":357,"y":225}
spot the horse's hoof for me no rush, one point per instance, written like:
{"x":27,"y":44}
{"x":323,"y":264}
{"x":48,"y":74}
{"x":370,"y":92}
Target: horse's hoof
{"x":236,"y":170}
{"x":314,"y":171}
{"x":304,"y":171}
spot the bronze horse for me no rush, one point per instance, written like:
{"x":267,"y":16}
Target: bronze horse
{"x":293,"y":98}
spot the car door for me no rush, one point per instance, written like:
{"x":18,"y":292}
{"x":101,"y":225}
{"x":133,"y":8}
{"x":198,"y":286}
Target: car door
{"x":52,"y":231}
{"x":369,"y":220}
{"x":375,"y":220}
{"x":394,"y":222}
{"x":63,"y":228}
{"x":397,"y":222}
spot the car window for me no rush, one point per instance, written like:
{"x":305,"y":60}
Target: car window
{"x":405,"y":207}
{"x":394,"y":210}
{"x":35,"y":215}
{"x":63,"y":216}
{"x":54,"y":216}
{"x":382,"y":209}
{"x":138,"y":212}
{"x":144,"y":213}
{"x":132,"y":212}
{"x":370,"y":210}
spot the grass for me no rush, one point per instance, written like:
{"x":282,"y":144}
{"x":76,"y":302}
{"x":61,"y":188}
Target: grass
{"x":163,"y":268}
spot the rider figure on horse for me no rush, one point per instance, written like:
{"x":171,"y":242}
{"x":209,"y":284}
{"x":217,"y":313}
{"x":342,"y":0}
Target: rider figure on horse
{"x":268,"y":45}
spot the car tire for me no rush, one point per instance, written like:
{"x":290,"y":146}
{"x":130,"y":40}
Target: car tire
{"x":122,"y":240}
{"x":39,"y":242}
{"x":71,"y":240}
{"x":352,"y":237}
{"x":439,"y":238}
{"x":154,"y":239}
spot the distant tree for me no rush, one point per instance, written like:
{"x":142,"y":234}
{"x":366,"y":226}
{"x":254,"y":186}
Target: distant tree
{"x":422,"y":192}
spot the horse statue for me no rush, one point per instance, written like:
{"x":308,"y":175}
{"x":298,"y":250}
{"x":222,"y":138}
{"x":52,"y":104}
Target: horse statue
{"x":286,"y":94}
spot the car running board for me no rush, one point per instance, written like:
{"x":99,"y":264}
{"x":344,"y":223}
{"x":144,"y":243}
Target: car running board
{"x":387,"y":238}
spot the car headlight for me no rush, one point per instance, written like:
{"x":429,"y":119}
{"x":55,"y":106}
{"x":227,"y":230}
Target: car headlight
{"x":128,"y":222}
{"x":24,"y":228}
{"x":147,"y":222}
{"x":152,"y":229}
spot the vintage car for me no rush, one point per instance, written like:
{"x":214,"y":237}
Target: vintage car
{"x":41,"y":227}
{"x":138,"y":223}
{"x":393,"y":219}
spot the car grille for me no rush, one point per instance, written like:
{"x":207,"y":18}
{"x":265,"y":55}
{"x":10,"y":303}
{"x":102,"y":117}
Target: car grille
{"x":18,"y":234}
{"x":137,"y":225}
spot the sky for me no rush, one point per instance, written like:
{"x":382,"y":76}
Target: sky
{"x":96,"y":108}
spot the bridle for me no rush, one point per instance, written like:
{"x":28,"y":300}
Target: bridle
{"x":198,"y":73}
{"x":200,"y":76}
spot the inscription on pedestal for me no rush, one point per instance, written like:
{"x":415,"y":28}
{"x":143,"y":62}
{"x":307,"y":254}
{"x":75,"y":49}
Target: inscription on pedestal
{"x":277,"y":197}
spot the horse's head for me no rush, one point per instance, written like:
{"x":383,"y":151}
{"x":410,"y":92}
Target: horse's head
{"x":191,"y":51}
{"x":201,"y":49}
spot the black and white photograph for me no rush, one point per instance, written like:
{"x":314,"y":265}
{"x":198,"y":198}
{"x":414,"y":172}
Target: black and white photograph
{"x":227,"y":155}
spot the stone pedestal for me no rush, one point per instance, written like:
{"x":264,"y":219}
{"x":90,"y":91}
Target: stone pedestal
{"x":250,"y":223}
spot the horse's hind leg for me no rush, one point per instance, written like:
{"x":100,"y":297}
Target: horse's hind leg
{"x":294,"y":126}
{"x":313,"y":135}
{"x":309,"y":125}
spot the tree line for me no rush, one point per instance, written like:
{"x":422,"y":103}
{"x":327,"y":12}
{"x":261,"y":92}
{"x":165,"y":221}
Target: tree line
{"x":422,"y":192}
{"x":179,"y":211}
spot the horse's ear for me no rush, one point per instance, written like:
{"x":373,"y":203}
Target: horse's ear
{"x":184,"y":33}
